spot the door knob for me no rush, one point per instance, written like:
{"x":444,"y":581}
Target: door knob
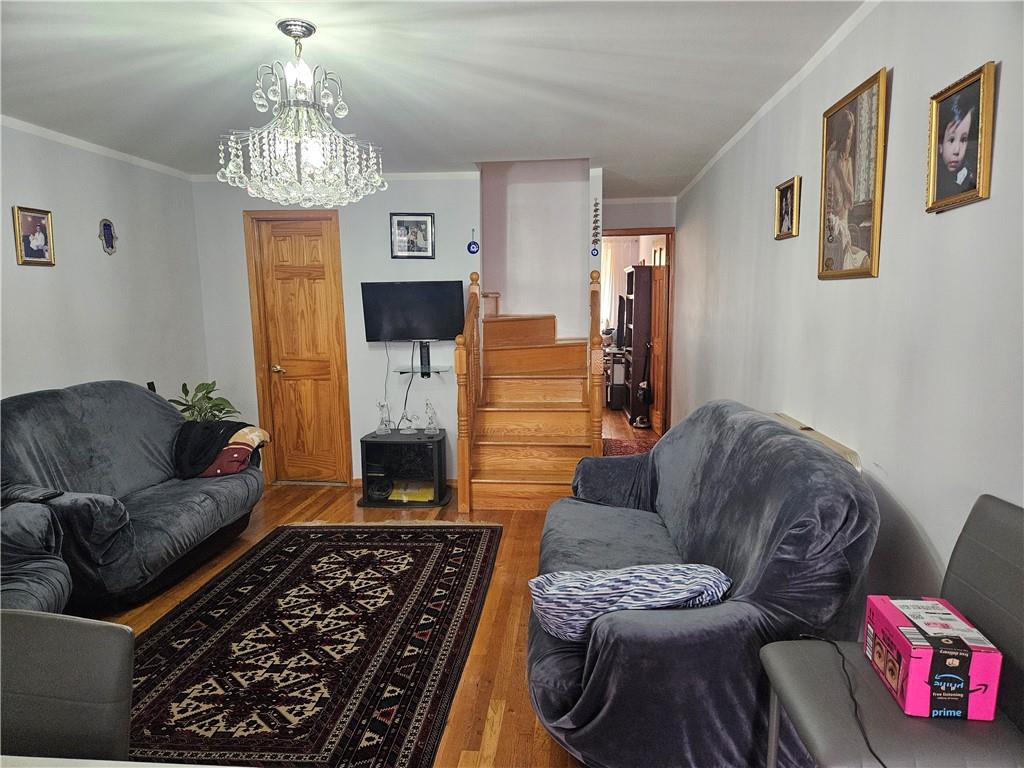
{"x":278,"y":369}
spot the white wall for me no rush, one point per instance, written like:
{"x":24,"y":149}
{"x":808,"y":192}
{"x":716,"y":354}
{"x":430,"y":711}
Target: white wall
{"x":365,"y":257}
{"x":639,"y":212}
{"x":919,"y":370}
{"x":134,"y":315}
{"x":536,"y":239}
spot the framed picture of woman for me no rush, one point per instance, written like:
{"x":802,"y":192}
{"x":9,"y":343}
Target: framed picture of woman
{"x":33,"y":236}
{"x":960,"y":141}
{"x":852,"y":172}
{"x":787,"y":209}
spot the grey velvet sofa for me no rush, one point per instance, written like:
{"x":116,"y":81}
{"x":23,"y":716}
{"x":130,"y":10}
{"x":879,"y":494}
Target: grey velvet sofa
{"x":129,"y":527}
{"x":789,"y":521}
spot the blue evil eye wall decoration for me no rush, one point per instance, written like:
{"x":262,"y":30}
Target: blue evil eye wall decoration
{"x":108,"y":237}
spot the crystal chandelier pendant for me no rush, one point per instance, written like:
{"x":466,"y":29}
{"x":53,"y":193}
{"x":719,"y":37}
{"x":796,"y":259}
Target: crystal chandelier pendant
{"x":299,"y":157}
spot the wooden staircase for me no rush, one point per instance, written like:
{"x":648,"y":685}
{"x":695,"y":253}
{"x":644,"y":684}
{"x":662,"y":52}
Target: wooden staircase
{"x":529,"y":407}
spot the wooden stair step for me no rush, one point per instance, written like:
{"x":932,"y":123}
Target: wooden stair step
{"x":566,"y":440}
{"x":566,"y":357}
{"x":557,"y":344}
{"x":511,"y":330}
{"x":530,"y":406}
{"x":500,"y":420}
{"x":522,"y":476}
{"x":509,"y":490}
{"x":502,"y":457}
{"x":539,"y":388}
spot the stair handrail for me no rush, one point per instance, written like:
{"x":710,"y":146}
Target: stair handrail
{"x":596,"y":372}
{"x":469,"y":379}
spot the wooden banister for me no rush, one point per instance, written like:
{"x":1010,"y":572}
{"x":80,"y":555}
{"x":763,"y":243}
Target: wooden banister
{"x":469,"y":380}
{"x":596,"y":366}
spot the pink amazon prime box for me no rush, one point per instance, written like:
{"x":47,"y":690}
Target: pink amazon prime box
{"x":933,"y":661}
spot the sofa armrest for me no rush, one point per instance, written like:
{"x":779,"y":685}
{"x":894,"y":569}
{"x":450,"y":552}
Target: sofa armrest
{"x":99,"y":544}
{"x":616,"y":481}
{"x":32,"y":574}
{"x":67,"y":688}
{"x":701,"y":661}
{"x":33,"y":494}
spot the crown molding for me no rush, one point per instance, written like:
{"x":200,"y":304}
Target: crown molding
{"x":841,"y":33}
{"x":640,"y":200}
{"x":96,"y":149}
{"x":434,"y":176}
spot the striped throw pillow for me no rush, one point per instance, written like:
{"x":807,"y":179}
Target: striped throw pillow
{"x":567,"y":602}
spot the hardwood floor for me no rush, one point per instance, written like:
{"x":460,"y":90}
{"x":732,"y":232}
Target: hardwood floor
{"x":491,"y":722}
{"x":615,"y":424}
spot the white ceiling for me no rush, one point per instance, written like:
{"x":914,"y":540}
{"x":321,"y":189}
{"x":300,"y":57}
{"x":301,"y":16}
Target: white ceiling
{"x":648,"y":91}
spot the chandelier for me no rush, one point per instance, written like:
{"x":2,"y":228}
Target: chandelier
{"x":299,"y":157}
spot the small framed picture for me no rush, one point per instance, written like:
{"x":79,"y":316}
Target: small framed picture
{"x":852,"y":175}
{"x":412,"y":235}
{"x":787,"y":209}
{"x":960,"y":141}
{"x":33,"y":236}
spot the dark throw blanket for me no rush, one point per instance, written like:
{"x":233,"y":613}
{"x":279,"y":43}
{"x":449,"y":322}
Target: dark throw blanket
{"x":198,"y":444}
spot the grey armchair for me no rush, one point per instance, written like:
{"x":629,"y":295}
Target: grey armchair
{"x":67,"y":686}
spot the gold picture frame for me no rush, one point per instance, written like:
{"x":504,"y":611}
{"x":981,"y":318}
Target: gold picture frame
{"x":787,"y":209}
{"x":33,"y":236}
{"x":853,"y":134}
{"x":963,"y":144}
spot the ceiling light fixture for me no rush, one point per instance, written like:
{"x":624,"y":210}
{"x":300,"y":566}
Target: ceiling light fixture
{"x":299,"y":157}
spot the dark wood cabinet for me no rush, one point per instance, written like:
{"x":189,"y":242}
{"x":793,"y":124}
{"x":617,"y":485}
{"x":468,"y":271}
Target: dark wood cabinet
{"x":636,"y":339}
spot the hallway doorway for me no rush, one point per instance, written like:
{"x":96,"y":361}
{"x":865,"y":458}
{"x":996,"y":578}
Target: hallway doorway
{"x":636,"y":316}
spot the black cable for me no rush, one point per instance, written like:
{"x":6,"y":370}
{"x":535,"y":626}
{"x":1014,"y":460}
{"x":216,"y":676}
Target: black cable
{"x":849,"y":689}
{"x":405,"y":405}
{"x":387,"y":370}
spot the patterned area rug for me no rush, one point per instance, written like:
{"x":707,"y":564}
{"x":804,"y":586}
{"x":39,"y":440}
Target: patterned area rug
{"x":328,"y":645}
{"x":614,"y":446}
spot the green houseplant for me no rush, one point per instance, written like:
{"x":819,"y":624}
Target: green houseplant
{"x":201,"y":405}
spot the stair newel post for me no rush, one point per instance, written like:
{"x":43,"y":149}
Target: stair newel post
{"x":596,"y":365}
{"x":465,"y":433}
{"x":475,"y":304}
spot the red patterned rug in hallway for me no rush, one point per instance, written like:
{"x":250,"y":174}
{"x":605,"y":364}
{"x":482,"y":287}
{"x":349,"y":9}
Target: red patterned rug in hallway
{"x":614,"y":446}
{"x":327,"y":645}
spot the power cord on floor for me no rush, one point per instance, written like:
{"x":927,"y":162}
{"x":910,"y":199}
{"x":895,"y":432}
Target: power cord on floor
{"x":849,"y":689}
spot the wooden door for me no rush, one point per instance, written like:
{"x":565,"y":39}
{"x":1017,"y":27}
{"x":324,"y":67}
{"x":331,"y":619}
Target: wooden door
{"x":299,"y":340}
{"x":659,"y":345}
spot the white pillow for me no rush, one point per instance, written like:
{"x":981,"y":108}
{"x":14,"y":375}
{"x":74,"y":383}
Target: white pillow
{"x":567,"y":602}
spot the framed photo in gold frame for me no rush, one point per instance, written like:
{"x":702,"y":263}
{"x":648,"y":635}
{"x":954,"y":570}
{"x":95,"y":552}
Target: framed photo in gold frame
{"x":787,"y":209}
{"x":33,"y":236}
{"x":852,"y":175}
{"x":960,"y":141}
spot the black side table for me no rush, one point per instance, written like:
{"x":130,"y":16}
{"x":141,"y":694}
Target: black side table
{"x":807,"y":679}
{"x":418,"y":459}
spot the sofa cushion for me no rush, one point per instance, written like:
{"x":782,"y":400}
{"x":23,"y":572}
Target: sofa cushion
{"x":106,"y":437}
{"x":567,"y":602}
{"x":173,"y":517}
{"x":580,"y":536}
{"x":34,"y":577}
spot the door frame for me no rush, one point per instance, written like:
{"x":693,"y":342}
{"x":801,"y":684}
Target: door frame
{"x":670,"y":252}
{"x":251,"y":221}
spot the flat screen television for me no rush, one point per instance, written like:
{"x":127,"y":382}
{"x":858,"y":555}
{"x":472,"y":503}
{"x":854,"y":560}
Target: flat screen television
{"x":428,"y":310}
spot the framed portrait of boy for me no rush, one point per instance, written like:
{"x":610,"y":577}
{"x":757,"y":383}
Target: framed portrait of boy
{"x":412,"y":235}
{"x":852,"y":174}
{"x":33,"y":236}
{"x":960,"y":141}
{"x":787,"y":209}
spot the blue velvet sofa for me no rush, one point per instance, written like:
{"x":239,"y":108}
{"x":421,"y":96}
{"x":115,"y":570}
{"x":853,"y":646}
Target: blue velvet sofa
{"x":790,"y":522}
{"x":123,"y":525}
